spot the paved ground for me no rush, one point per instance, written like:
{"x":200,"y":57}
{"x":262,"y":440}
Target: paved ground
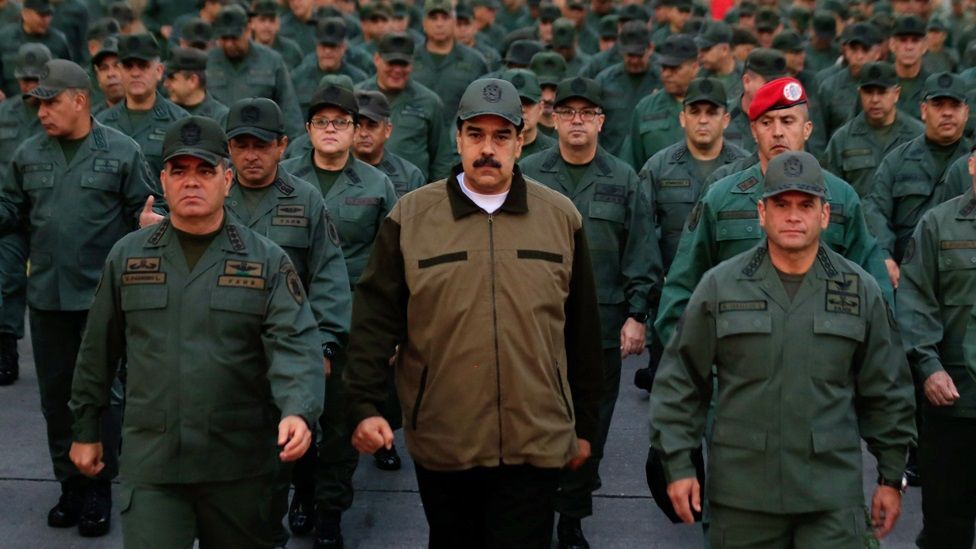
{"x":387,"y":512}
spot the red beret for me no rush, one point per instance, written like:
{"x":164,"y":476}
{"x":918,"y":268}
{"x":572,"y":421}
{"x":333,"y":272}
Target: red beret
{"x":781,"y":93}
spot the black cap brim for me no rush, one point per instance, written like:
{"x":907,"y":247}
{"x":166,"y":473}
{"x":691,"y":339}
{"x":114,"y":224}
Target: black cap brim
{"x":950,"y":95}
{"x":396,"y":58}
{"x":704,"y":43}
{"x":208,"y":157}
{"x":474,"y":114}
{"x":261,"y":133}
{"x":672,"y":61}
{"x":701,"y":99}
{"x":632,"y":49}
{"x":798,"y":188}
{"x":228,"y":32}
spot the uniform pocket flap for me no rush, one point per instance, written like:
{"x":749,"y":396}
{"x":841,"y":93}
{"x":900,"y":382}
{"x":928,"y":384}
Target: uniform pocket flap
{"x":731,"y":228}
{"x":101,"y":181}
{"x":237,"y":419}
{"x":740,"y":322}
{"x":145,"y":419}
{"x":144,"y":297}
{"x":911,"y":188}
{"x":834,"y":439}
{"x":839,"y":325}
{"x":859,"y":162}
{"x":738,"y":435}
{"x":607,"y":211}
{"x":289,"y":236}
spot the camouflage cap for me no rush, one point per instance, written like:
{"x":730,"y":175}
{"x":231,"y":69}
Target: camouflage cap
{"x":341,"y":80}
{"x":766,"y":62}
{"x":438,"y":6}
{"x":186,"y":59}
{"x":121,"y":12}
{"x":330,"y":31}
{"x":549,"y":66}
{"x":526,"y":82}
{"x":677,"y":49}
{"x":714,"y":33}
{"x":579,"y":88}
{"x":197,"y":32}
{"x":634,"y":38}
{"x":373,"y":105}
{"x":195,"y":136}
{"x":607,"y":26}
{"x":878,"y":73}
{"x":788,"y":41}
{"x":634,"y":12}
{"x":396,"y":47}
{"x":794,"y":171}
{"x":103,"y":28}
{"x":945,"y":84}
{"x":908,"y":25}
{"x":58,"y":75}
{"x":109,"y":46}
{"x":264,"y":8}
{"x":549,"y":13}
{"x":861,"y":33}
{"x":491,"y":96}
{"x":30,"y":61}
{"x":824,"y":24}
{"x":230,"y":22}
{"x":138,"y":46}
{"x":257,"y":116}
{"x":563,"y":33}
{"x":42,"y":7}
{"x":709,"y":90}
{"x":520,"y":52}
{"x":332,"y":95}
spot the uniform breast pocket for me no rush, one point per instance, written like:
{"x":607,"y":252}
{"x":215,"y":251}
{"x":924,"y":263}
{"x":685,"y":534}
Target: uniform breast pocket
{"x":655,"y":126}
{"x":144,"y":297}
{"x":357,"y":219}
{"x":248,"y":301}
{"x":675,"y":199}
{"x":38,"y":180}
{"x":957,"y":273}
{"x":736,"y":226}
{"x":289,"y":237}
{"x":101,"y":182}
{"x":261,"y":84}
{"x":744,"y":347}
{"x":857,"y":162}
{"x":911,"y":188}
{"x":838,"y":336}
{"x":607,"y":211}
{"x":413,"y":125}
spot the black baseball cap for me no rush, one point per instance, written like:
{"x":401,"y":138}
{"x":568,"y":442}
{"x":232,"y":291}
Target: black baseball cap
{"x":766,"y":62}
{"x":634,"y":38}
{"x":794,"y":171}
{"x":230,"y":22}
{"x":520,"y":52}
{"x":677,"y":49}
{"x":195,"y":136}
{"x":863,"y":33}
{"x":30,"y":61}
{"x":579,"y":87}
{"x":42,"y":7}
{"x":265,"y":8}
{"x":197,"y":32}
{"x":525,"y":82}
{"x":788,"y":41}
{"x":714,"y":33}
{"x":945,"y":84}
{"x":878,"y":73}
{"x":824,"y":24}
{"x":396,"y":47}
{"x":257,"y":116}
{"x":549,"y":66}
{"x":332,"y":95}
{"x":109,"y":46}
{"x":186,"y":59}
{"x":607,"y":26}
{"x":709,"y":90}
{"x":909,"y":25}
{"x":138,"y":46}
{"x":121,"y":12}
{"x":634,"y":12}
{"x":330,"y":31}
{"x":373,"y":105}
{"x":103,"y":28}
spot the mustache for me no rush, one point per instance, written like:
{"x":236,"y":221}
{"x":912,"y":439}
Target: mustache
{"x":487,"y":161}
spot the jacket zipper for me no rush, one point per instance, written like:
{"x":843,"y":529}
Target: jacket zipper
{"x":494,"y":322}
{"x":420,"y":398}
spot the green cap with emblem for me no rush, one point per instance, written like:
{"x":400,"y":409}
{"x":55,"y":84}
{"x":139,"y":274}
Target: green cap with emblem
{"x":59,"y":75}
{"x":492,"y":96}
{"x":861,"y":33}
{"x":520,"y":52}
{"x":30,"y":61}
{"x":788,"y":41}
{"x":709,"y":90}
{"x":42,"y":7}
{"x":438,"y":6}
{"x":549,"y":13}
{"x":230,"y":22}
{"x":563,"y":33}
{"x":526,"y":82}
{"x":677,"y":49}
{"x":908,"y":25}
{"x":195,"y":136}
{"x":794,"y":171}
{"x":330,"y":31}
{"x":186,"y":59}
{"x":257,"y":116}
{"x":767,"y":20}
{"x":742,"y":36}
{"x":607,"y":26}
{"x":121,"y":12}
{"x":634,"y":12}
{"x":634,"y":38}
{"x":333,"y":95}
{"x":945,"y":84}
{"x":265,"y":8}
{"x":334,"y":78}
{"x":373,"y":105}
{"x":937,"y":24}
{"x":103,"y":28}
{"x":578,"y":87}
{"x":714,"y":33}
{"x":138,"y":46}
{"x":824,"y":24}
{"x":396,"y":47}
{"x":549,"y":66}
{"x":376,"y":11}
{"x":401,"y":10}
{"x":197,"y":32}
{"x":878,"y":73}
{"x":109,"y":46}
{"x":766,"y":62}
{"x":463,"y":11}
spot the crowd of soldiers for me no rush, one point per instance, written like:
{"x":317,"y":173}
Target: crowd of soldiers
{"x":659,"y":121}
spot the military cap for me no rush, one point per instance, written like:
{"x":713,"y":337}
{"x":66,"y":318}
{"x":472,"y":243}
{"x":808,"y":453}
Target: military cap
{"x":563,"y":33}
{"x":399,"y":9}
{"x":336,"y":79}
{"x":549,"y":13}
{"x":330,"y":31}
{"x":121,"y":12}
{"x":581,"y":88}
{"x":742,"y":36}
{"x":491,"y":96}
{"x":878,"y":73}
{"x":491,"y":4}
{"x":575,"y":4}
{"x":58,"y":75}
{"x":607,"y":26}
{"x":801,"y":16}
{"x":322,"y":12}
{"x":463,"y":11}
{"x":863,"y":33}
{"x":945,"y":84}
{"x":937,"y":24}
{"x":434,"y":6}
{"x":42,"y":7}
{"x":794,"y":171}
{"x":549,"y":66}
{"x":138,"y":46}
{"x":634,"y":38}
{"x":884,"y":22}
{"x":824,"y":24}
{"x":265,"y":8}
{"x":779,"y":94}
{"x":767,"y":20}
{"x":332,"y":95}
{"x":709,"y":90}
{"x":908,"y":25}
{"x":766,"y":62}
{"x":634,"y":12}
{"x":109,"y":46}
{"x":693,"y":26}
{"x":30,"y":61}
{"x":525,"y":82}
{"x":396,"y":46}
{"x":520,"y":52}
{"x":197,"y":32}
{"x":747,"y":8}
{"x":788,"y":41}
{"x":714,"y":33}
{"x":257,"y":116}
{"x":186,"y":59}
{"x":374,"y":10}
{"x":838,"y":7}
{"x":103,"y":28}
{"x":195,"y":136}
{"x":373,"y":105}
{"x":231,"y":21}
{"x":677,"y":49}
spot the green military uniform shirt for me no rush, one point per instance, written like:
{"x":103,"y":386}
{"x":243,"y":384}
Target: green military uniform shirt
{"x":622,"y":92}
{"x":359,"y":200}
{"x":18,"y":121}
{"x":800,"y":382}
{"x":725,"y":223}
{"x":598,"y":62}
{"x":71,"y":18}
{"x":292,"y":214}
{"x":839,"y":100}
{"x":148,"y":130}
{"x":210,"y":108}
{"x":307,"y":76}
{"x":905,"y":187}
{"x":912,"y":94}
{"x":74,"y":211}
{"x":302,"y":32}
{"x":731,"y":81}
{"x":216,"y":356}
{"x":739,"y":132}
{"x":818,"y":60}
{"x":936,"y":294}
{"x":12,"y":36}
{"x":288,"y":49}
{"x":405,"y":176}
{"x":653,"y":126}
{"x":539,"y":144}
{"x":856,"y":149}
{"x":515,"y":19}
{"x":448,"y":75}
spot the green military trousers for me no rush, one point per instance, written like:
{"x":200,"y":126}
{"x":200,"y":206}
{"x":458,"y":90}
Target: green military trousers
{"x":13,"y":283}
{"x":732,"y":528}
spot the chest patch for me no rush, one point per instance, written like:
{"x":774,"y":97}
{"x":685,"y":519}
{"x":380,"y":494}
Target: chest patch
{"x":143,"y":270}
{"x":733,"y":306}
{"x":363,"y":201}
{"x":234,"y":267}
{"x":105,"y":165}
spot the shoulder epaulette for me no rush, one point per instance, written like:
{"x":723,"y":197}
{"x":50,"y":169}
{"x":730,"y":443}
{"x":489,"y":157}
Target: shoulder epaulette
{"x":235,"y":239}
{"x":551,"y":161}
{"x":159,"y":232}
{"x":968,"y":209}
{"x":825,"y":262}
{"x":283,"y":186}
{"x":352,"y":175}
{"x":755,"y":262}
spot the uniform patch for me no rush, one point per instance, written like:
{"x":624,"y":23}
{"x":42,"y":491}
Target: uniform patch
{"x":957,"y":244}
{"x":855,"y":152}
{"x":143,"y":278}
{"x":849,"y":285}
{"x":965,"y":212}
{"x":291,"y":210}
{"x":615,"y":194}
{"x":281,"y":221}
{"x":747,"y":184}
{"x":364,"y":201}
{"x":105,"y":165}
{"x":142,"y":264}
{"x":492,"y":93}
{"x":158,"y":134}
{"x":756,"y":261}
{"x":236,"y":267}
{"x":236,"y":241}
{"x":732,"y":306}
{"x":675,"y":183}
{"x":793,"y":167}
{"x":843,"y":303}
{"x":331,"y":228}
{"x":695,"y":216}
{"x":909,"y":251}
{"x":738,"y":214}
{"x":39,"y":167}
{"x":241,"y":282}
{"x":292,"y":281}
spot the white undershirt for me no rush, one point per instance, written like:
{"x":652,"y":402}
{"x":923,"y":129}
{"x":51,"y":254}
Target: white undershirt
{"x":487,"y":202}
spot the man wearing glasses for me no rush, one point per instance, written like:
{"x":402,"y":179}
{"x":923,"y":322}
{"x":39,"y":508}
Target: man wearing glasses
{"x":626,"y":259}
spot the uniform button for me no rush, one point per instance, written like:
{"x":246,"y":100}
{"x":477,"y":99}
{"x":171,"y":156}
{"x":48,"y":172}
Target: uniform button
{"x":233,"y":203}
{"x":748,"y":229}
{"x":722,"y":231}
{"x":756,"y":323}
{"x":827,"y":323}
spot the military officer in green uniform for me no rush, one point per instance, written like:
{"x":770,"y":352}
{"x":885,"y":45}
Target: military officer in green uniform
{"x":466,"y":33}
{"x":565,"y":43}
{"x":186,"y":82}
{"x":328,"y":58}
{"x":626,"y":83}
{"x":839,"y":91}
{"x":907,"y":46}
{"x":108,"y":75}
{"x":417,"y":113}
{"x":781,"y":411}
{"x":144,"y":114}
{"x":359,"y":196}
{"x":626,"y":260}
{"x":761,"y":66}
{"x":857,"y":148}
{"x":265,"y":28}
{"x":935,"y":302}
{"x":369,"y":145}
{"x":530,"y":93}
{"x":99,"y":175}
{"x":239,"y":69}
{"x":822,"y":50}
{"x":654,"y":122}
{"x":34,"y":26}
{"x":716,"y":59}
{"x":223,"y":355}
{"x":550,"y":67}
{"x":906,"y":181}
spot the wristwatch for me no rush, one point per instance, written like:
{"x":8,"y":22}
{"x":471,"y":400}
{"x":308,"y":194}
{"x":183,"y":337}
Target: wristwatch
{"x":330,"y":350}
{"x":901,"y":484}
{"x":639,"y":317}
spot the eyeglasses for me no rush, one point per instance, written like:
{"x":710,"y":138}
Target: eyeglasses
{"x":586,"y":115}
{"x":322,"y":123}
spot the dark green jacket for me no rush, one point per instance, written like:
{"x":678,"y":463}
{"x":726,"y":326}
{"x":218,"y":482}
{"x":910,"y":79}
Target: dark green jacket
{"x":739,"y":132}
{"x":306,"y":78}
{"x":405,"y":176}
{"x":71,"y":18}
{"x":541,"y":143}
{"x":215,"y":356}
{"x":598,"y":62}
{"x":622,"y":92}
{"x":288,"y":49}
{"x":653,"y":126}
{"x":839,"y":100}
{"x":150,"y":132}
{"x":448,"y":77}
{"x":210,"y":108}
{"x":12,"y":37}
{"x":18,"y":121}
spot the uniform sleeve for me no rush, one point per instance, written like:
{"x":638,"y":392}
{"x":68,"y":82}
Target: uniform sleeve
{"x":415,"y":178}
{"x":683,"y":387}
{"x":139,"y":184}
{"x":379,"y":323}
{"x":862,"y":248}
{"x":292,"y":346}
{"x":885,"y":398}
{"x":879,"y":205}
{"x":918,"y":310}
{"x":102,"y":346}
{"x":956,"y":180}
{"x":440,"y":145}
{"x":641,"y":259}
{"x":832,"y":158}
{"x":584,"y":349}
{"x":14,"y":202}
{"x":329,"y":293}
{"x":288,"y":101}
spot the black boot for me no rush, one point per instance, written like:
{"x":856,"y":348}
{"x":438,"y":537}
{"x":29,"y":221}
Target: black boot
{"x":66,"y":513}
{"x":570,"y":533}
{"x":387,"y":460}
{"x":9,"y":359}
{"x":301,"y":513}
{"x":96,"y":510}
{"x":328,"y":530}
{"x":644,"y":379}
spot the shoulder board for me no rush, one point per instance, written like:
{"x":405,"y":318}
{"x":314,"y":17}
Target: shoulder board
{"x":747,"y":184}
{"x":283,"y":186}
{"x":968,"y":209}
{"x":755,"y":261}
{"x":679,"y":153}
{"x":601,"y":164}
{"x":550,"y":161}
{"x":159,"y":232}
{"x":352,"y":175}
{"x":825,"y":262}
{"x":235,"y":239}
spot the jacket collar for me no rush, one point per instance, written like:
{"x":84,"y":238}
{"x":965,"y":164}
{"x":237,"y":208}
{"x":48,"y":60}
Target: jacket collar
{"x":229,"y":238}
{"x":461,"y":206}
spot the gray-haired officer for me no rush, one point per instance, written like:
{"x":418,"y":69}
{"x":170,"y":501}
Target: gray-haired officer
{"x":223,"y":356}
{"x":782,"y":411}
{"x":186,"y":82}
{"x":369,"y":145}
{"x":111,"y":185}
{"x":530,"y":93}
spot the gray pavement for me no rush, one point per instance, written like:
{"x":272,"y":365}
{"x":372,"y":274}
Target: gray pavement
{"x":387,"y":511}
